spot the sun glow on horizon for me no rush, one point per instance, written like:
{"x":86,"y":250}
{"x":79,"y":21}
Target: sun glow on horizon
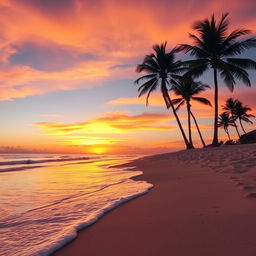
{"x":89,"y":141}
{"x":98,"y":150}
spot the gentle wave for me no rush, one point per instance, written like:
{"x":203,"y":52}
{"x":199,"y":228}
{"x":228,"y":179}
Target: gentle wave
{"x":42,"y":210}
{"x":29,"y":161}
{"x":21,"y":168}
{"x":47,"y":233}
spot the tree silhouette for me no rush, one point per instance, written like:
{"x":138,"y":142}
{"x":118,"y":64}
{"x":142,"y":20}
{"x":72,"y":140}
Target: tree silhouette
{"x":241,"y":114}
{"x":160,"y":67}
{"x":231,"y":107}
{"x":187,"y":88}
{"x":213,"y":48}
{"x":225,"y":121}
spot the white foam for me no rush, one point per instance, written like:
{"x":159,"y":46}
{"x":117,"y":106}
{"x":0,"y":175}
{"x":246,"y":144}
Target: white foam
{"x":58,"y":213}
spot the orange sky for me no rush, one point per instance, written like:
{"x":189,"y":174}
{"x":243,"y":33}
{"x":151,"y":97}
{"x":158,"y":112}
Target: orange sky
{"x":67,"y":70}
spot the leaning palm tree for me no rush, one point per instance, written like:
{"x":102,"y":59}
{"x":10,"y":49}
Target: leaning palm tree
{"x":242,"y":115}
{"x":231,"y":107}
{"x":225,"y":121}
{"x":187,"y":88}
{"x":214,"y":48}
{"x":160,"y":67}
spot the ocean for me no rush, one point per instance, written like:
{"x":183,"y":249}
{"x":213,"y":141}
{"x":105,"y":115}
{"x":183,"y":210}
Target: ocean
{"x":45,"y":199}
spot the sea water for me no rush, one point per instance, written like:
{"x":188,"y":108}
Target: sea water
{"x":46,"y":199}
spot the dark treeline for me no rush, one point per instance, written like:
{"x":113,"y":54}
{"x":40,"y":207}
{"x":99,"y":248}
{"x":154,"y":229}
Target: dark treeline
{"x":213,"y":49}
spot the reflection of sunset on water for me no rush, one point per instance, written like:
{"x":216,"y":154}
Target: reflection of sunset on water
{"x":52,"y":202}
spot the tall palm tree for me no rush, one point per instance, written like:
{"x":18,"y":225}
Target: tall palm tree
{"x":160,"y":67}
{"x":225,"y":121}
{"x":214,"y":48}
{"x":231,"y":107}
{"x":242,"y":115}
{"x":187,"y":88}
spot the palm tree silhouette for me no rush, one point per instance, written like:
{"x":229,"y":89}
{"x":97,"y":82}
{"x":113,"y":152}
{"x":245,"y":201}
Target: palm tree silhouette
{"x":160,"y":67}
{"x":231,"y":107}
{"x":213,"y":48}
{"x":187,"y":88}
{"x":225,"y":121}
{"x":242,"y":115}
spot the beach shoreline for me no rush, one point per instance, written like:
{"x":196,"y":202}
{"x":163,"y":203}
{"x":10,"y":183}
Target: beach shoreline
{"x":198,"y":206}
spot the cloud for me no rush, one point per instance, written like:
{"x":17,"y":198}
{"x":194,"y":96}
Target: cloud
{"x":23,"y":81}
{"x":121,"y":66}
{"x":15,"y":150}
{"x":51,"y":115}
{"x":49,"y":6}
{"x":64,"y":44}
{"x":247,"y":96}
{"x":110,"y":123}
{"x":47,"y":56}
{"x":108,"y":130}
{"x":154,"y":100}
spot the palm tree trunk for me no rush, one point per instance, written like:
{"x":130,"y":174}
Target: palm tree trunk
{"x":188,"y":145}
{"x":197,"y":127}
{"x":165,"y":92}
{"x":235,"y":126}
{"x":242,"y":125}
{"x":215,"y":141}
{"x":226,"y":130}
{"x":189,"y":124}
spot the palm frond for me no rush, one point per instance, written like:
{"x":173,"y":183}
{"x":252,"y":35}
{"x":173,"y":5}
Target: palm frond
{"x":242,"y":63}
{"x":195,"y":62}
{"x":144,"y":88}
{"x":233,"y":36}
{"x":176,"y":101}
{"x":192,"y":50}
{"x":146,"y":68}
{"x":223,"y":25}
{"x":153,"y":88}
{"x":160,"y":66}
{"x":240,"y":112}
{"x":144,"y":77}
{"x":239,"y":47}
{"x":165,"y":94}
{"x":196,"y":70}
{"x":197,"y":40}
{"x":202,"y":100}
{"x":181,"y":104}
{"x":246,"y":119}
{"x":224,"y":120}
{"x":228,"y":78}
{"x":230,"y":72}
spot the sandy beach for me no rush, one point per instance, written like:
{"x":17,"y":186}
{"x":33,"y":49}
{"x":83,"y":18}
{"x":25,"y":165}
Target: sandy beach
{"x":202,"y":204}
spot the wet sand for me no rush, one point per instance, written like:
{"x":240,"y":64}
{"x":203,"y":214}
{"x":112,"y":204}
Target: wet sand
{"x":198,"y":207}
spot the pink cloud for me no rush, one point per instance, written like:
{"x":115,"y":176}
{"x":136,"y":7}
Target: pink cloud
{"x":116,"y":32}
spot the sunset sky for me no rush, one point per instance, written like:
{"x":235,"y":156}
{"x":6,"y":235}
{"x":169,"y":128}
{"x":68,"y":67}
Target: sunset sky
{"x":67,"y":69}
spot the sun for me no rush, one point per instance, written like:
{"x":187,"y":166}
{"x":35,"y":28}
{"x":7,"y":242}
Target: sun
{"x":98,"y":150}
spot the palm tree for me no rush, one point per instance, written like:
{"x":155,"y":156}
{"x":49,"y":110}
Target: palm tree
{"x":242,"y":115}
{"x":225,"y":121}
{"x":231,"y":107}
{"x":187,"y":88}
{"x":214,"y":48}
{"x":160,"y":67}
